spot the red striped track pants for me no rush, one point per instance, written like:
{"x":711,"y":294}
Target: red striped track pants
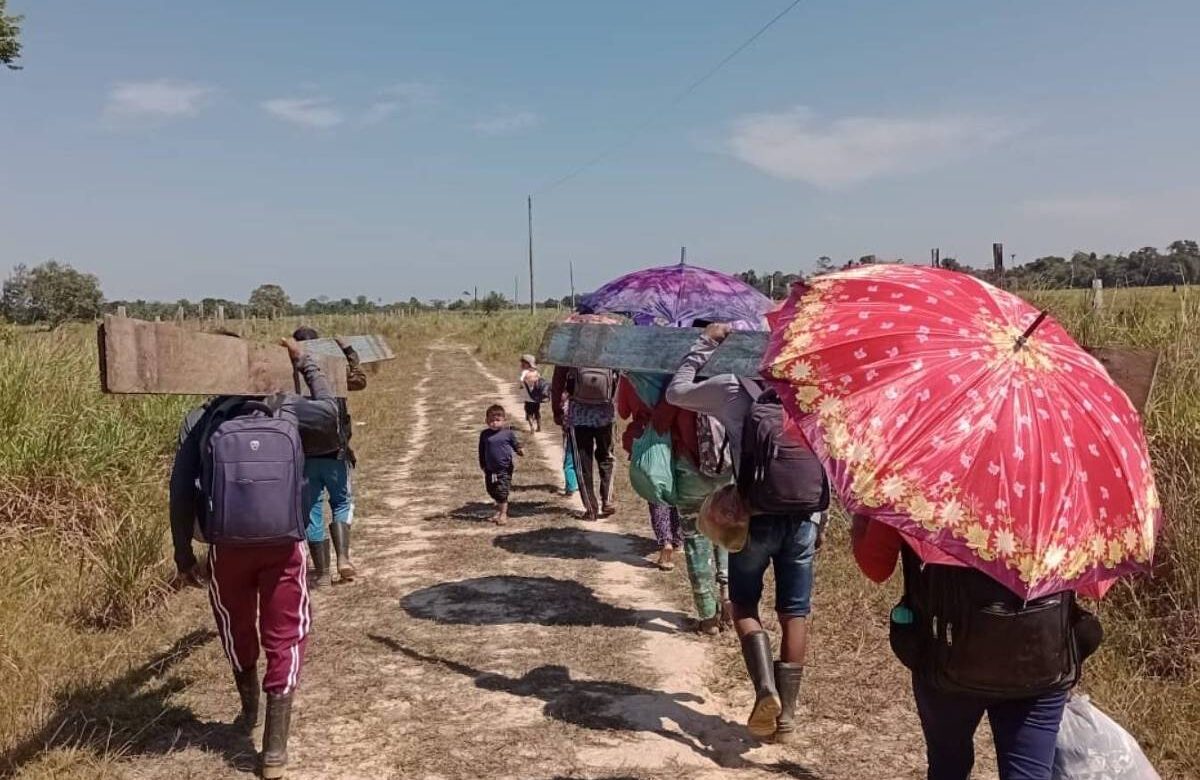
{"x":259,"y":596}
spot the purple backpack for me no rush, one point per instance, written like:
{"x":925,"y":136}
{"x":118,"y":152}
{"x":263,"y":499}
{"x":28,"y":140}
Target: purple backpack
{"x":252,"y":476}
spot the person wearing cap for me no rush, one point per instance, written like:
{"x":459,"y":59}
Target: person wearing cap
{"x":534,"y":392}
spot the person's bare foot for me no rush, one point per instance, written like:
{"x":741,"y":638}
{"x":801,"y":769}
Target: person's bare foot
{"x":665,"y":556}
{"x":500,"y":520}
{"x":709,"y":626}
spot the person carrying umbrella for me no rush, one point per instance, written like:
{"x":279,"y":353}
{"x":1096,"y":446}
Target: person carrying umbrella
{"x":972,"y":439}
{"x":684,"y":296}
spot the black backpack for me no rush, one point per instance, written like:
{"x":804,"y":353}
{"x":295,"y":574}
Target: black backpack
{"x":593,"y":386}
{"x":970,"y":635}
{"x":779,"y":474}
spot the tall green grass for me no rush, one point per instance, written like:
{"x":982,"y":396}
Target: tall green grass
{"x":1148,"y":672}
{"x":82,"y":521}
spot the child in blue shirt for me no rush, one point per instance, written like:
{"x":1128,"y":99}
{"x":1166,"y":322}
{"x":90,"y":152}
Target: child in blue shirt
{"x":497,"y":444}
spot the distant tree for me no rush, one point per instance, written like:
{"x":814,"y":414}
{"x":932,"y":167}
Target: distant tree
{"x":825,"y":263}
{"x":494,"y":302}
{"x":750,"y":278}
{"x":457,"y":305}
{"x":952,"y":264}
{"x":15,"y":304}
{"x":52,"y":293}
{"x":269,"y":300}
{"x":438,"y":304}
{"x":211,"y":304}
{"x":10,"y":40}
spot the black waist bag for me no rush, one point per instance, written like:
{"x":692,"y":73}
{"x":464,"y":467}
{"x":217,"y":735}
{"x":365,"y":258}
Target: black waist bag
{"x":971,"y":636}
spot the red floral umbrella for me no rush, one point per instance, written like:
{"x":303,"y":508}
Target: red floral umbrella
{"x":950,"y":410}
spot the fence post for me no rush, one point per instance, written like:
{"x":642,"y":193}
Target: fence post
{"x":1097,"y":294}
{"x":220,"y":312}
{"x":121,"y":311}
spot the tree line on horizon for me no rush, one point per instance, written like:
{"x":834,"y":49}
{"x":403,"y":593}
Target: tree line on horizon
{"x":53,"y":293}
{"x":1145,"y":267}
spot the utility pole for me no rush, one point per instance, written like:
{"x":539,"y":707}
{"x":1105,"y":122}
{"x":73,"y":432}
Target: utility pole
{"x":572,"y":266}
{"x":532,"y":306}
{"x":682,"y":255}
{"x":516,"y":289}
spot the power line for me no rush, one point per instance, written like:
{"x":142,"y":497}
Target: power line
{"x":679,"y":97}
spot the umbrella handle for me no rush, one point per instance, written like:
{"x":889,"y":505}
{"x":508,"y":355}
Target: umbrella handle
{"x":1029,"y":332}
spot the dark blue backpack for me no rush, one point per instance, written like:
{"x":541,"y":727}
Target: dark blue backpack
{"x":252,"y":476}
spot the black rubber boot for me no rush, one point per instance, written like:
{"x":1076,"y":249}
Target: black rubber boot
{"x":787,"y":682}
{"x":248,"y":691}
{"x":319,"y":552}
{"x":756,"y":650}
{"x":275,"y":736}
{"x":340,"y":533}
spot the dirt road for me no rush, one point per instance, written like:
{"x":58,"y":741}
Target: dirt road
{"x":549,"y":648}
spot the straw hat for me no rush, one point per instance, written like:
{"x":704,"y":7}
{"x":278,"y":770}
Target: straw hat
{"x":530,"y":359}
{"x":724,"y":518}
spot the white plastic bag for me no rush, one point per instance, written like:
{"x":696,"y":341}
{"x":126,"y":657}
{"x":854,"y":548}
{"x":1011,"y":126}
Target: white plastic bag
{"x":1091,"y":746}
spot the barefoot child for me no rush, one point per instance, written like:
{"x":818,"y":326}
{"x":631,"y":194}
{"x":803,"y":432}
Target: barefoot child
{"x":534,"y":391}
{"x":497,"y":443}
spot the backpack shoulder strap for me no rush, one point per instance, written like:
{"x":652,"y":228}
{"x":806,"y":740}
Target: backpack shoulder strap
{"x":753,"y":387}
{"x":217,"y":414}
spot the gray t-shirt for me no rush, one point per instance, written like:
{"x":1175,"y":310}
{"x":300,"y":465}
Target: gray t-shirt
{"x":721,"y":396}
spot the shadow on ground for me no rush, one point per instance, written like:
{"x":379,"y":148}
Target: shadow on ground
{"x":544,"y":487}
{"x":132,"y":715}
{"x":578,"y":544}
{"x":482,"y":511}
{"x":615,"y":706}
{"x":506,"y":599}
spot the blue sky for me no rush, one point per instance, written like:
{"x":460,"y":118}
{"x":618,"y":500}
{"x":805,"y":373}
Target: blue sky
{"x":386,"y":148}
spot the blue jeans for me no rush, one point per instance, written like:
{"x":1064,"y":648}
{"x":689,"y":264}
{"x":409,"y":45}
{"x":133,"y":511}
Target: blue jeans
{"x":327,"y":475}
{"x":790,"y":542}
{"x":1024,"y":731}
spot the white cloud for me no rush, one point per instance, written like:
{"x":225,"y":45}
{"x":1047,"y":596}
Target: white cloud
{"x":1085,"y":208}
{"x":160,"y":99}
{"x":409,"y":97}
{"x":508,"y":123}
{"x":307,"y":112}
{"x":794,"y":145}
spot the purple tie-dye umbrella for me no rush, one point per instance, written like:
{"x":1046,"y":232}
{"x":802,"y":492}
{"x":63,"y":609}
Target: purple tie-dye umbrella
{"x":679,"y":295}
